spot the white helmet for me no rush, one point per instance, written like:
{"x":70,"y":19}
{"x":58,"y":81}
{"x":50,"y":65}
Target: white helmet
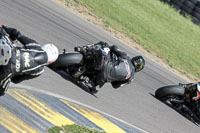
{"x":52,"y":52}
{"x":5,"y":52}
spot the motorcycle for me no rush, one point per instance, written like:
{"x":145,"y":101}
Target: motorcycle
{"x":82,"y":66}
{"x":178,"y":98}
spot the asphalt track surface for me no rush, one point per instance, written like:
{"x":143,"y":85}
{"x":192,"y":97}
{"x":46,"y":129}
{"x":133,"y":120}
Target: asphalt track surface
{"x":29,"y":111}
{"x":48,"y":22}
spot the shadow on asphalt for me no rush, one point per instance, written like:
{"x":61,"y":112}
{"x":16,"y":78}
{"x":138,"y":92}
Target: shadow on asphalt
{"x":67,"y":77}
{"x":185,"y":115}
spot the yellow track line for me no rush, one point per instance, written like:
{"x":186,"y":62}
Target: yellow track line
{"x":40,"y":108}
{"x":13,"y":123}
{"x":96,"y":118}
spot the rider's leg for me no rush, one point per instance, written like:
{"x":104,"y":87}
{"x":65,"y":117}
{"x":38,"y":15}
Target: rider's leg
{"x":26,"y":76}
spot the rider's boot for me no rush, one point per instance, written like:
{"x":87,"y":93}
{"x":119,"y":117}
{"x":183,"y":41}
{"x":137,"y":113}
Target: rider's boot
{"x":94,"y":90}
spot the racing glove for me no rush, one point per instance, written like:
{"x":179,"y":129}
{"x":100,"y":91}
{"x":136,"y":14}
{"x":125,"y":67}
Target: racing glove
{"x":119,"y":53}
{"x":14,"y":34}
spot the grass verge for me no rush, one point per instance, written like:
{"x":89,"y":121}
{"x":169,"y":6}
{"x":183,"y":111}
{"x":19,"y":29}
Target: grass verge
{"x":72,"y":129}
{"x":155,"y":26}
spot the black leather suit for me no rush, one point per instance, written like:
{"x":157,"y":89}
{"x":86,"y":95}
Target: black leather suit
{"x":117,"y":69}
{"x":26,"y":62}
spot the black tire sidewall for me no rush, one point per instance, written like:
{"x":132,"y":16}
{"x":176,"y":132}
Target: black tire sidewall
{"x":186,"y":9}
{"x":196,"y":9}
{"x":193,"y":1}
{"x":66,"y":59}
{"x":169,"y":91}
{"x":176,"y":2}
{"x":189,"y":4}
{"x":198,"y":3}
{"x":196,"y":14}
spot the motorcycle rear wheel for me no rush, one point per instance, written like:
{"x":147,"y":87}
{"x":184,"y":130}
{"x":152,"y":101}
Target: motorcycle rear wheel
{"x":67,"y":59}
{"x":172,"y":90}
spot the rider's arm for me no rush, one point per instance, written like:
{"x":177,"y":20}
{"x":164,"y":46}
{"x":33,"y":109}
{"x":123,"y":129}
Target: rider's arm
{"x":118,"y":52}
{"x":26,"y":40}
{"x":16,"y":35}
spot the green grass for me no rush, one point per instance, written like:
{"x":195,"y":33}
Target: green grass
{"x":154,"y":25}
{"x":72,"y":129}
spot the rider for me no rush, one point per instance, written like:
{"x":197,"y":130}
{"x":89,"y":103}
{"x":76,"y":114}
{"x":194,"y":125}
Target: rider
{"x":118,"y":68}
{"x":192,"y":91}
{"x":22,"y":63}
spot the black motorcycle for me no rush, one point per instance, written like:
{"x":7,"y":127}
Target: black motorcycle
{"x":179,"y":99}
{"x":82,"y":66}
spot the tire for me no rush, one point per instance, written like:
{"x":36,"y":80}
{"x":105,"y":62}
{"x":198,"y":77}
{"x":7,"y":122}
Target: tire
{"x":196,"y":9}
{"x":176,"y":7}
{"x":186,"y":9}
{"x":183,"y":13}
{"x":176,"y":2}
{"x":169,"y":91}
{"x":193,"y":1}
{"x":196,"y":15}
{"x":180,"y":0}
{"x":189,"y":4}
{"x":66,"y":59}
{"x":198,"y":3}
{"x":195,"y":20}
